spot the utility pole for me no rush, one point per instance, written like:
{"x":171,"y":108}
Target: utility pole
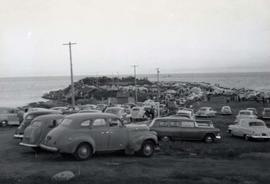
{"x":135,"y":83}
{"x":158,"y":89}
{"x":71,"y":74}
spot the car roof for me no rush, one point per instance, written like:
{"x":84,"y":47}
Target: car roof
{"x":174,"y":117}
{"x":114,"y":108}
{"x":43,"y":112}
{"x":245,"y":110}
{"x":251,"y":120}
{"x":82,"y":116}
{"x":49,"y":117}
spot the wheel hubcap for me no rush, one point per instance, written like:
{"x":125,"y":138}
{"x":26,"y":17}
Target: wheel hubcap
{"x":209,"y":139}
{"x":147,"y":149}
{"x":83,"y":152}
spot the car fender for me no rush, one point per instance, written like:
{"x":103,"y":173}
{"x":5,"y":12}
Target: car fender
{"x":136,"y":141}
{"x":75,"y":140}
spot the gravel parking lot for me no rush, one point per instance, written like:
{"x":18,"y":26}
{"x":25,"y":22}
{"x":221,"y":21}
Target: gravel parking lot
{"x":233,"y":160}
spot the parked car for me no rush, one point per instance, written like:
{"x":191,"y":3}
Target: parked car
{"x":226,"y":110}
{"x":89,"y":111}
{"x":119,"y":112}
{"x":250,"y":129}
{"x":245,"y":114}
{"x":254,"y":110}
{"x":27,"y":120}
{"x":185,"y":113}
{"x":174,"y":128}
{"x":8,"y":116}
{"x":35,"y":133}
{"x":138,"y":113}
{"x":266,"y":113}
{"x":84,"y":134}
{"x":206,"y":112}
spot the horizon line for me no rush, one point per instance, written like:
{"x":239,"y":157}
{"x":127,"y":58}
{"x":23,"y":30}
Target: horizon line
{"x":138,"y":74}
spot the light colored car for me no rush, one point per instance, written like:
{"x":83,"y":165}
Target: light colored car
{"x":8,"y":116}
{"x":245,"y":114}
{"x":119,"y":112}
{"x":138,"y":113}
{"x":185,"y":113}
{"x":35,"y":133}
{"x":254,"y":110}
{"x":226,"y":110}
{"x":250,"y":129}
{"x":83,"y":134}
{"x":206,"y":112}
{"x":266,"y":113}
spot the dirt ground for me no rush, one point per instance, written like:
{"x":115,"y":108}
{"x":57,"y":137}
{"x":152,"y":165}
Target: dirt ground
{"x":233,"y":160}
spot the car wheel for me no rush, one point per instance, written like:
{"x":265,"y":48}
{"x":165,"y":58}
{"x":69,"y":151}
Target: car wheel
{"x":4,"y":123}
{"x":209,"y":138}
{"x":230,"y":132}
{"x":246,"y":137}
{"x":83,"y":151}
{"x":147,"y":148}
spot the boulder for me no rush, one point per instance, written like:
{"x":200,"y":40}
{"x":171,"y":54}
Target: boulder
{"x":63,"y":176}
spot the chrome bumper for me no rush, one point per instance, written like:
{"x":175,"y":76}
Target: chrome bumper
{"x":260,"y":137}
{"x":18,"y":136}
{"x":49,"y":148}
{"x":28,"y":145}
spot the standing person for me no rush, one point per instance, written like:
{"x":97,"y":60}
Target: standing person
{"x":152,"y":112}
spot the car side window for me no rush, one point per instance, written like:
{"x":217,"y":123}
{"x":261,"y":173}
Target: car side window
{"x":85,"y":123}
{"x":174,"y":124}
{"x":113,"y":122}
{"x":163,"y":124}
{"x":99,"y":123}
{"x":187,"y":124}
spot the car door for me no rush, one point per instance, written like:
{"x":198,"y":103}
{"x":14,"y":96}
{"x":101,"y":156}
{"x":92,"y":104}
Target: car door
{"x":189,"y":131}
{"x":99,"y":132}
{"x":118,"y":134}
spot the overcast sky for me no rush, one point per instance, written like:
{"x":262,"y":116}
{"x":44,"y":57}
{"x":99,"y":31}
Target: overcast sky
{"x":178,"y":36}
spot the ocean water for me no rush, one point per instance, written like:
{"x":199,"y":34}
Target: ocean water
{"x":21,"y":91}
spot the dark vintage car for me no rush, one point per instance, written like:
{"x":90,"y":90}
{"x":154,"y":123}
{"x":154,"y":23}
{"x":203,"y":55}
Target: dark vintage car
{"x":35,"y":133}
{"x":83,"y":134}
{"x":27,"y":120}
{"x":175,"y":128}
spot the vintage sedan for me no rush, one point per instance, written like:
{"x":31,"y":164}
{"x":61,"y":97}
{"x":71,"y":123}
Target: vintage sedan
{"x":83,"y":134}
{"x":206,"y":112}
{"x":185,"y":113}
{"x":35,"y":133}
{"x":8,"y":116}
{"x":226,"y":110}
{"x":245,"y":114}
{"x":119,"y":112}
{"x":250,"y":129}
{"x":27,"y":120}
{"x":253,"y":109}
{"x":138,"y":113}
{"x":266,"y":113}
{"x":173,"y":128}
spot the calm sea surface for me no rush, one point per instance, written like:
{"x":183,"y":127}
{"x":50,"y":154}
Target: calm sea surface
{"x":20,"y":91}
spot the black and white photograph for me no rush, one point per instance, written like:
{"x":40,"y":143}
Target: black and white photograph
{"x":135,"y":91}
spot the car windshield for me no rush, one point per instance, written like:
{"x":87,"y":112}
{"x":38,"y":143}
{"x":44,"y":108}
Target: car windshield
{"x":256,"y":123}
{"x":135,"y":109}
{"x":245,"y":113}
{"x":113,"y":111}
{"x":203,"y":109}
{"x":66,"y":122}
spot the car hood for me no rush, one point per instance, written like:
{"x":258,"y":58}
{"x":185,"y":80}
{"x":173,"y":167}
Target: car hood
{"x":136,"y":127}
{"x":32,"y":135}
